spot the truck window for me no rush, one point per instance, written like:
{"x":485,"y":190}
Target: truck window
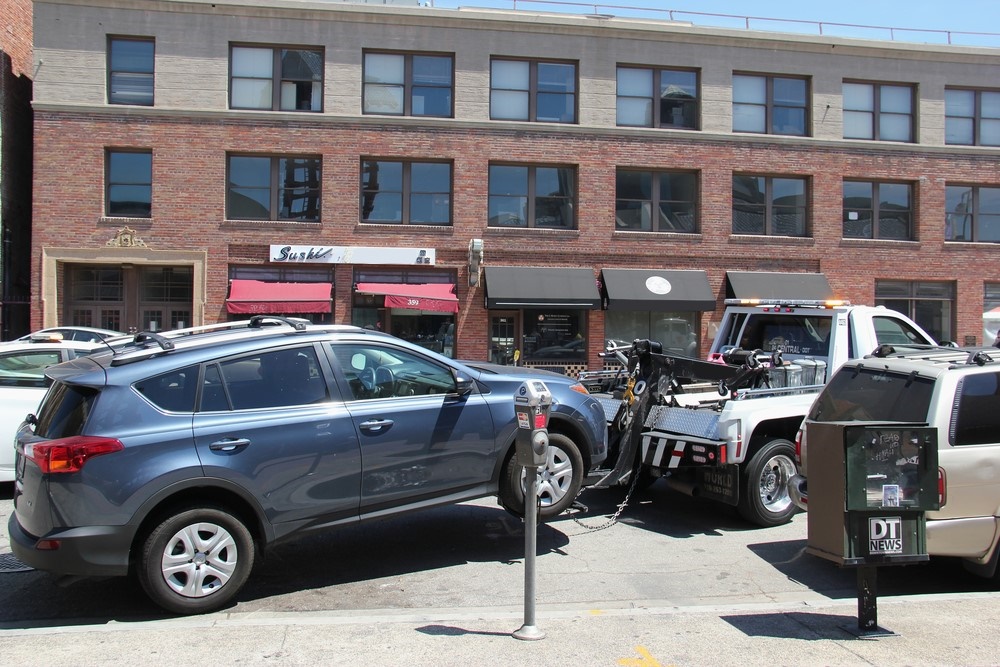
{"x":788,"y":334}
{"x":977,"y":420}
{"x":890,"y":331}
{"x":871,"y":394}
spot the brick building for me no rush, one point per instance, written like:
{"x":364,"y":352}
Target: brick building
{"x":487,"y":181}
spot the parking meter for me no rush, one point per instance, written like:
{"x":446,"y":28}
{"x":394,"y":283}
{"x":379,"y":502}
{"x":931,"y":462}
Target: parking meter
{"x":532,"y":403}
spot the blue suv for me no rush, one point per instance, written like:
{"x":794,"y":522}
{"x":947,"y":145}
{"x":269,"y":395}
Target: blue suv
{"x":180,"y":457}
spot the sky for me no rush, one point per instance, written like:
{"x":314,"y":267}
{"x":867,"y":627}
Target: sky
{"x":927,"y":15}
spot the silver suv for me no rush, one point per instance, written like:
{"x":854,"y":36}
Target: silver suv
{"x":956,"y":391}
{"x":180,"y":457}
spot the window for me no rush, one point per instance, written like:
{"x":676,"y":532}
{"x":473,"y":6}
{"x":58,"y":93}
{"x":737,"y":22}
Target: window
{"x":991,"y":313}
{"x":533,"y":91}
{"x":769,"y":205}
{"x":130,"y":70}
{"x":975,"y":418}
{"x":416,"y":193}
{"x":279,"y":79}
{"x":373,"y":371}
{"x":878,"y":210}
{"x":676,"y":331}
{"x":530,"y":196}
{"x":273,"y":188}
{"x":408,"y":85}
{"x":929,"y":304}
{"x":770,"y":105}
{"x":554,"y":335}
{"x":639,"y":89}
{"x":672,"y":195}
{"x":273,"y":379}
{"x":972,"y":117}
{"x":128,"y":183}
{"x":972,"y":214}
{"x":878,"y":111}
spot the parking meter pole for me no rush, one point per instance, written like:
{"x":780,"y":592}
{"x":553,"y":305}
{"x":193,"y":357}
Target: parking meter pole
{"x":529,"y":631}
{"x":531,"y":409}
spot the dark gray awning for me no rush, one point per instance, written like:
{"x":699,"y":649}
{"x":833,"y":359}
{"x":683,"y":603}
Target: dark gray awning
{"x":783,"y":286}
{"x":537,"y":286}
{"x":656,"y":289}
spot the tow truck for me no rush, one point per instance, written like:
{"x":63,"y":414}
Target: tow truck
{"x":723,"y":428}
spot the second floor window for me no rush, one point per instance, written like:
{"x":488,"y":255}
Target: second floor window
{"x":878,"y":111}
{"x":533,"y":91}
{"x":972,"y":117}
{"x":128,"y":183}
{"x":973,"y":214}
{"x":416,"y":193}
{"x":130,"y":71}
{"x":532,"y":196}
{"x":878,"y":210}
{"x":278,"y":79}
{"x":408,"y":85}
{"x":770,"y":105}
{"x":769,"y":205}
{"x":657,"y":98}
{"x":652,"y":201}
{"x":273,"y":188}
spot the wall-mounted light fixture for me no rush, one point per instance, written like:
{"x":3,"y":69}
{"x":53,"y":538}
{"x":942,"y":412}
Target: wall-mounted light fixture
{"x":475,"y":260}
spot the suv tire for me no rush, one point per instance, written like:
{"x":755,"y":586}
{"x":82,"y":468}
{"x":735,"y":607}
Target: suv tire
{"x":196,"y":560}
{"x":559,"y":480}
{"x":764,"y":498}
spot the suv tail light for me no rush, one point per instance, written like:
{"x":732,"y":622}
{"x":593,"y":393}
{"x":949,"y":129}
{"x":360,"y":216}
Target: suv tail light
{"x":798,"y":447}
{"x":66,"y":455}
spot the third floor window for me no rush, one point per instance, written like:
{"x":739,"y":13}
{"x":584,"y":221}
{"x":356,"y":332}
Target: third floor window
{"x":532,"y":90}
{"x":657,"y":98}
{"x":276,"y":78}
{"x":770,"y":105}
{"x":972,"y":214}
{"x":408,"y":84}
{"x":130,"y":70}
{"x":878,"y":111}
{"x":972,"y":117}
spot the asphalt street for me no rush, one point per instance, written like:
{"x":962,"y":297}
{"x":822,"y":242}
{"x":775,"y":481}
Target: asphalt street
{"x":694,"y":586}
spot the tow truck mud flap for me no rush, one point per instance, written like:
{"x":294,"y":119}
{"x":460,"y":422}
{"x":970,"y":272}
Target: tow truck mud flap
{"x":722,"y":484}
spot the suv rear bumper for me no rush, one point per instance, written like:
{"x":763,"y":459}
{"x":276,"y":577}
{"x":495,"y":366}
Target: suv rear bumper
{"x":92,"y":551}
{"x":798,"y":492}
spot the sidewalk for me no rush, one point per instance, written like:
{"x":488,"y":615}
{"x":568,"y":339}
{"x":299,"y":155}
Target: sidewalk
{"x":930,"y":630}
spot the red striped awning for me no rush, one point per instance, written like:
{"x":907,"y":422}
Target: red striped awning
{"x":255,"y":297}
{"x":437,"y":297}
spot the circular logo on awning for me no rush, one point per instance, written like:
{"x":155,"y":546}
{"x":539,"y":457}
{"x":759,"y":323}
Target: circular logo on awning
{"x":658,"y":285}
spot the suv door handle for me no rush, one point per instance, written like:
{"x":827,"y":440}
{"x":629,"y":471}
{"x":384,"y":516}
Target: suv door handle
{"x":376,"y":425}
{"x":229,"y":445}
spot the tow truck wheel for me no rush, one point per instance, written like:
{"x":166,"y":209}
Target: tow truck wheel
{"x":764,"y":498}
{"x":559,"y":480}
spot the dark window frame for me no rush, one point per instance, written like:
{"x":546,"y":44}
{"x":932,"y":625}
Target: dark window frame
{"x":406,"y":193}
{"x":876,"y":210}
{"x":656,"y":175}
{"x":973,"y":215}
{"x":277,"y":75}
{"x":656,"y":102}
{"x":408,"y":82}
{"x":532,"y":196}
{"x":770,"y":104}
{"x":769,"y":205}
{"x":276,"y":187}
{"x":110,"y":210}
{"x":111,"y":72}
{"x":533,"y":90}
{"x":977,"y":116}
{"x":877,"y":113}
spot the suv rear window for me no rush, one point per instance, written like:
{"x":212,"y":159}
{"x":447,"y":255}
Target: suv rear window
{"x":64,"y":411}
{"x":871,"y":394}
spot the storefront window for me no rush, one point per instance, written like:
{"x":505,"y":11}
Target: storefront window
{"x":432,"y":329}
{"x":554,"y":335}
{"x":991,"y":313}
{"x":929,"y":304}
{"x":676,"y":331}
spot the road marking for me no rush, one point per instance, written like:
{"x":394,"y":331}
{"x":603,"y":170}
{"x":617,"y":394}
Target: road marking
{"x":646,"y":660}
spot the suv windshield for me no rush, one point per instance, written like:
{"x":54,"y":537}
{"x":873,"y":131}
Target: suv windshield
{"x":870,"y":394}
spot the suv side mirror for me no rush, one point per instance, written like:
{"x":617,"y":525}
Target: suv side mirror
{"x":463,"y":384}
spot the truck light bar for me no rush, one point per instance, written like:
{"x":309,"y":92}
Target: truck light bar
{"x":816,"y":303}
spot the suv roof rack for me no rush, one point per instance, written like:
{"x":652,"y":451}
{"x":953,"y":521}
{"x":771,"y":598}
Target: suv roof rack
{"x":939,"y":353}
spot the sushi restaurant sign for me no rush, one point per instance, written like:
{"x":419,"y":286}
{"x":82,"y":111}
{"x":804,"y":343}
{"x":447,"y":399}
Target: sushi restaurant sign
{"x":326,"y":254}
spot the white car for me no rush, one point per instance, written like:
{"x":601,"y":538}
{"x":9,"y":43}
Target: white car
{"x":23,"y":384}
{"x":83,"y":334}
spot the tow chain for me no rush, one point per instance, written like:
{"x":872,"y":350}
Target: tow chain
{"x":614,"y":517}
